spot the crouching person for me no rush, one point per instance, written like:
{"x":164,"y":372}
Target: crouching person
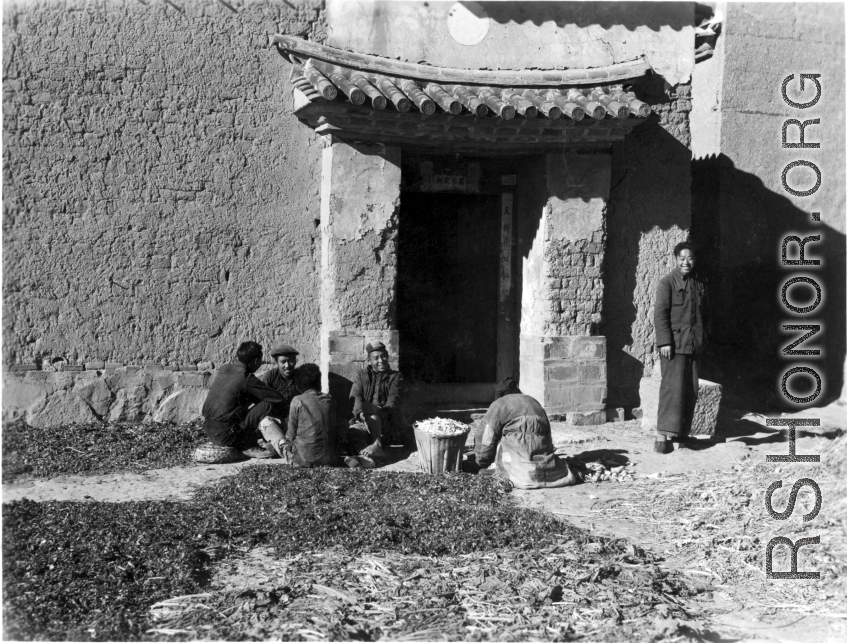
{"x":312,"y":437}
{"x":237,"y":407}
{"x":377,"y":421}
{"x":515,"y":433}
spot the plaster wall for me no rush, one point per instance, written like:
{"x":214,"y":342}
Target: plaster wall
{"x":707,"y":97}
{"x":160,"y":204}
{"x":764,"y":43}
{"x":520,"y":35}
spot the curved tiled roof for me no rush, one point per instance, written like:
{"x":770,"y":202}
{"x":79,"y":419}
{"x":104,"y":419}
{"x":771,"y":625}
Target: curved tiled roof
{"x":359,"y":95}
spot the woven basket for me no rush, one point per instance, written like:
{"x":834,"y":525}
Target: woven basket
{"x":439,"y":453}
{"x":213,"y":454}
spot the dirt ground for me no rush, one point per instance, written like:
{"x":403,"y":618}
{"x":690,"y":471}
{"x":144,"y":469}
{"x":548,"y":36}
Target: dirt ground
{"x":746,"y":437}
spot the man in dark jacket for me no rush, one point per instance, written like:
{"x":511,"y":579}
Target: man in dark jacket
{"x":515,"y":433}
{"x":238,"y":404}
{"x":376,"y":407}
{"x":312,"y":436}
{"x":681,"y":309}
{"x":281,"y":378}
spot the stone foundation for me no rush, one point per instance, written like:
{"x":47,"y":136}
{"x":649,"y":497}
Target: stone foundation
{"x":566,"y":374}
{"x":128,"y":394}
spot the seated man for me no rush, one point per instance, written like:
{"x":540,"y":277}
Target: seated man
{"x":236,"y":409}
{"x":516,"y":428}
{"x":312,"y":437}
{"x":280,"y":378}
{"x":376,"y":408}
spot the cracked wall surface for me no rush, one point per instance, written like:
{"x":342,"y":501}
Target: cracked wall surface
{"x":160,"y":204}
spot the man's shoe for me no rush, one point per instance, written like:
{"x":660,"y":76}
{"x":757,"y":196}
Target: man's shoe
{"x":258,"y":453}
{"x":662,"y":446}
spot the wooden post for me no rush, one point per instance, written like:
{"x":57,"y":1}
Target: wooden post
{"x":505,"y":298}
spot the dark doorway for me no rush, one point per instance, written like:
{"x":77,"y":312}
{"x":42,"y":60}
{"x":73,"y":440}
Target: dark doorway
{"x":448,"y":271}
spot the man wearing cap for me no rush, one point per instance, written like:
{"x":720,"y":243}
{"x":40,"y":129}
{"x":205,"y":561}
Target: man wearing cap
{"x":281,"y":378}
{"x":376,"y":406}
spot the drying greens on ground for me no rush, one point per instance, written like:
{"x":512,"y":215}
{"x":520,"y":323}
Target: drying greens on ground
{"x":97,"y":447}
{"x":81,"y":571}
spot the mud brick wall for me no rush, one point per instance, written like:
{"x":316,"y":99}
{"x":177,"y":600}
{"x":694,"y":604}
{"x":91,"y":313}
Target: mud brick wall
{"x":648,"y":213}
{"x":160,"y":204}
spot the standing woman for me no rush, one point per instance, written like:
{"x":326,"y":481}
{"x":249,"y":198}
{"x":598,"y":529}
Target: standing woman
{"x":679,"y":321}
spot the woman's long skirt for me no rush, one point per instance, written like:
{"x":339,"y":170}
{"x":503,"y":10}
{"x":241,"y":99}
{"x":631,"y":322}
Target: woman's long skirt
{"x":677,"y":395}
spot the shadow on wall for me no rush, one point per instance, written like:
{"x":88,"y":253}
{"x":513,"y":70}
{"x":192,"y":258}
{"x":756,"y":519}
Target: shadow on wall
{"x":647,"y":214}
{"x":740,"y":225}
{"x":653,"y":15}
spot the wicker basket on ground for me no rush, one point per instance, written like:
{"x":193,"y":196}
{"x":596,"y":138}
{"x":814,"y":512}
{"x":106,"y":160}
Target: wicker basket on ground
{"x":213,"y":454}
{"x":440,"y":453}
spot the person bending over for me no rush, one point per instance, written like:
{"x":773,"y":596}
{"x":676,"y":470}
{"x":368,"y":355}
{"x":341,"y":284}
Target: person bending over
{"x":236,"y":409}
{"x":312,"y":436}
{"x":679,"y":321}
{"x":515,"y":433}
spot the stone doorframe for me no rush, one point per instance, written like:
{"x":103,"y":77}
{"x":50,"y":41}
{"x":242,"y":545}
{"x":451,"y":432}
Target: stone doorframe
{"x":562,"y":364}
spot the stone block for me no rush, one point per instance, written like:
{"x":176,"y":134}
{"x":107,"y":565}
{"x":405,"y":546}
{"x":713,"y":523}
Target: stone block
{"x":188,"y":367}
{"x":63,"y":407}
{"x":181,"y":406}
{"x":340,"y":342}
{"x":561,"y":372}
{"x":198,"y":379}
{"x":589,"y":347}
{"x":22,"y":398}
{"x":94,"y":392}
{"x":22,"y":367}
{"x":706,"y":410}
{"x":558,"y":348}
{"x":592,"y":372}
{"x":205,"y":366}
{"x":615,"y":415}
{"x":648,"y":391}
{"x":705,"y":418}
{"x":95,"y":366}
{"x":73,"y":368}
{"x":589,"y":418}
{"x":346,"y":358}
